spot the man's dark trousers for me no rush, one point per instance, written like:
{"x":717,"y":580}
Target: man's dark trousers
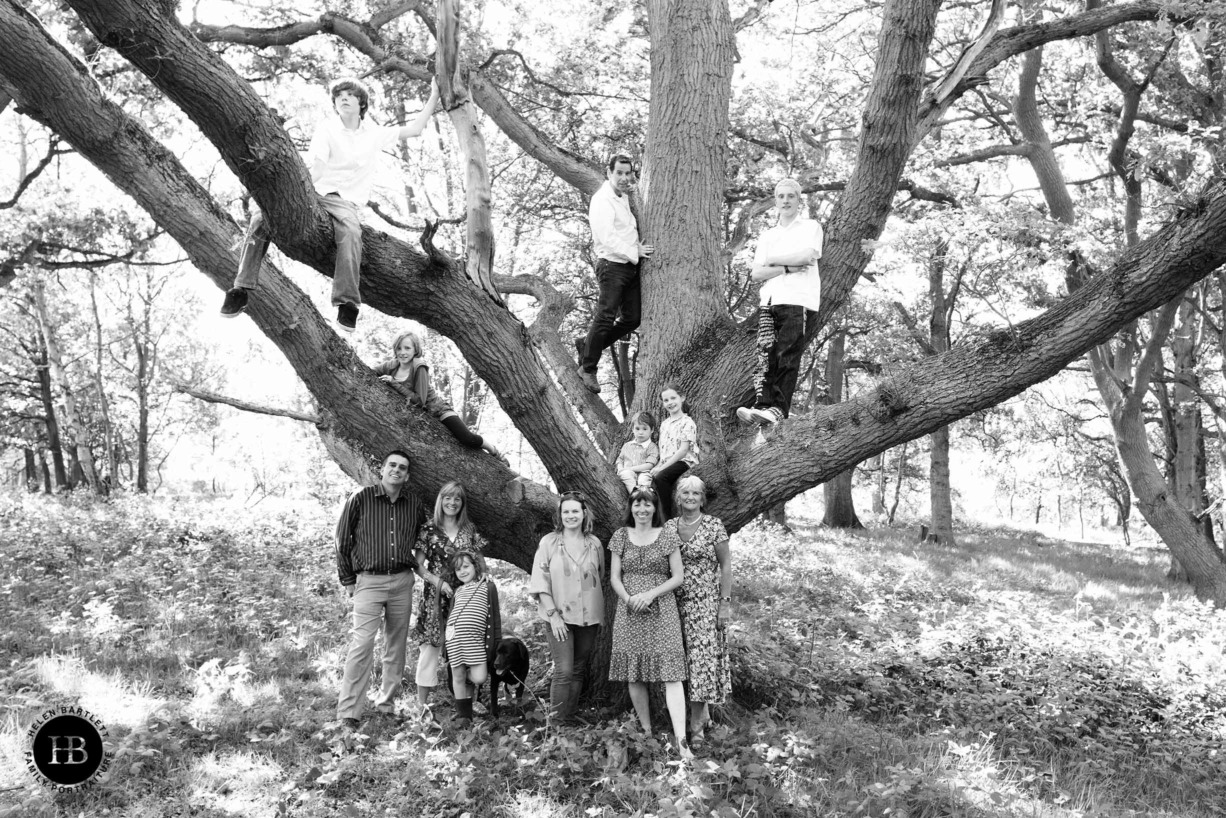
{"x":617,"y":310}
{"x":783,"y":361}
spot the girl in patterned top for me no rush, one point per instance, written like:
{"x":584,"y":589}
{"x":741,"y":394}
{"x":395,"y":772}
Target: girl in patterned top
{"x":678,"y":447}
{"x":473,"y":631}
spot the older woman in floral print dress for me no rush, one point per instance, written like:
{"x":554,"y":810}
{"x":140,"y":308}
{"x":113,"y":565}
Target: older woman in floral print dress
{"x":706,"y":600}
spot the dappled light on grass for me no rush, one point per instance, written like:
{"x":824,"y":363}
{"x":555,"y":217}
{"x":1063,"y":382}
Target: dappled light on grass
{"x":241,"y":783}
{"x":117,"y":702}
{"x":12,"y":753}
{"x":215,"y":686}
{"x":532,"y":805}
{"x":872,"y":676}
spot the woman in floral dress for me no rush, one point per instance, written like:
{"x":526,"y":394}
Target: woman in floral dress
{"x":447,"y":533}
{"x":647,"y":645}
{"x":706,"y":600}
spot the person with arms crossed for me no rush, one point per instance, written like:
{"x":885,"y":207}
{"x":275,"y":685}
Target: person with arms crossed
{"x":786,"y":261}
{"x":375,"y":537}
{"x":344,"y":161}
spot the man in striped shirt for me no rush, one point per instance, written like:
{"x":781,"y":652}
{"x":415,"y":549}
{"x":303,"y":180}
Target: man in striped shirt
{"x":374,"y":560}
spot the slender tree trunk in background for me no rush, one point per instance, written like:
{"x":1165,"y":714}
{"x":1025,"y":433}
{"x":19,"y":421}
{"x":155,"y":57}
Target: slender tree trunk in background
{"x":902,"y":465}
{"x":30,"y":472}
{"x":840,"y":507}
{"x":54,"y":444}
{"x":42,"y":462}
{"x":76,"y":430}
{"x":1187,"y":433}
{"x":141,"y":349}
{"x":777,"y":515}
{"x":877,"y":464}
{"x":939,"y":489}
{"x":108,"y":430}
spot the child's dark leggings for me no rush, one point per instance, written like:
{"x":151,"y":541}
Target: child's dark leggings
{"x":664,"y":482}
{"x":455,"y":425}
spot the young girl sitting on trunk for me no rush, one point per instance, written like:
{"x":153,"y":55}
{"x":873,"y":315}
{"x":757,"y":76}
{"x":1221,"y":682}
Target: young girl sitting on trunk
{"x":408,"y":374}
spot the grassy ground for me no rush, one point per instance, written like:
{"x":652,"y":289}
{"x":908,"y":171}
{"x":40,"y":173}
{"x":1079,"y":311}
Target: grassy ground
{"x":1007,"y":675}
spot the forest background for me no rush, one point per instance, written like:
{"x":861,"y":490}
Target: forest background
{"x":1013,"y":193}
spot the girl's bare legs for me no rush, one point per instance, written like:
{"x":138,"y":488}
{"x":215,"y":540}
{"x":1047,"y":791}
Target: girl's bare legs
{"x":642,"y":708}
{"x":674,"y":697}
{"x":459,"y":683}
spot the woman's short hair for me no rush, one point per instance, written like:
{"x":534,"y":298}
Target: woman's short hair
{"x":454,"y":487}
{"x":788,"y":184}
{"x":589,"y":519}
{"x":690,"y":481}
{"x":643,"y":493}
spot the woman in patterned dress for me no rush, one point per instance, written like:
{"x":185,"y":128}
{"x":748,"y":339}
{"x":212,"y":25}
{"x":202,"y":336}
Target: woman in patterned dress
{"x":706,"y":601}
{"x":647,"y":645}
{"x":446,"y":534}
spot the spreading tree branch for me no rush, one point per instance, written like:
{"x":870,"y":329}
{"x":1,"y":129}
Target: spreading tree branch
{"x":247,"y":406}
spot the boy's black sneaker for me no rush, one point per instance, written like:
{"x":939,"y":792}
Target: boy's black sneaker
{"x":235,"y":303}
{"x":347,"y":317}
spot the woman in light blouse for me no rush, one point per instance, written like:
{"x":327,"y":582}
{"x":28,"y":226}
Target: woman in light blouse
{"x":567,"y":575}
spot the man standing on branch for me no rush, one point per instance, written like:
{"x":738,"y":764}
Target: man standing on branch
{"x":375,"y":539}
{"x":344,"y":160}
{"x":786,"y":260}
{"x":615,"y":241}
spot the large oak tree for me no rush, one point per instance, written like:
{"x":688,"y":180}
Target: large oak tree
{"x":691,"y":341}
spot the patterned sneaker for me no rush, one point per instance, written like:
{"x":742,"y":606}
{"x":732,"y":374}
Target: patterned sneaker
{"x":347,"y":317}
{"x":756,"y":415}
{"x":235,"y":303}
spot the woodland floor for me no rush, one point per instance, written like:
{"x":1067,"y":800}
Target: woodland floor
{"x":1009,"y":674}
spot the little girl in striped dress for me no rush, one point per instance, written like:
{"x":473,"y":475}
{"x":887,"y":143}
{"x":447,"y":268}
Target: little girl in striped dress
{"x":473,"y":630}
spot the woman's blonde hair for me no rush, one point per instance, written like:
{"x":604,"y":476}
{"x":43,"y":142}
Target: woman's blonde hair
{"x":457,"y":488}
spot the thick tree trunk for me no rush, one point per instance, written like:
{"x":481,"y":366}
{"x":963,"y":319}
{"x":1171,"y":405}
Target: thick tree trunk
{"x":692,"y":52}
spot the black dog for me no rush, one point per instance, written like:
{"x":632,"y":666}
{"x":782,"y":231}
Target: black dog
{"x":511,"y":665}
